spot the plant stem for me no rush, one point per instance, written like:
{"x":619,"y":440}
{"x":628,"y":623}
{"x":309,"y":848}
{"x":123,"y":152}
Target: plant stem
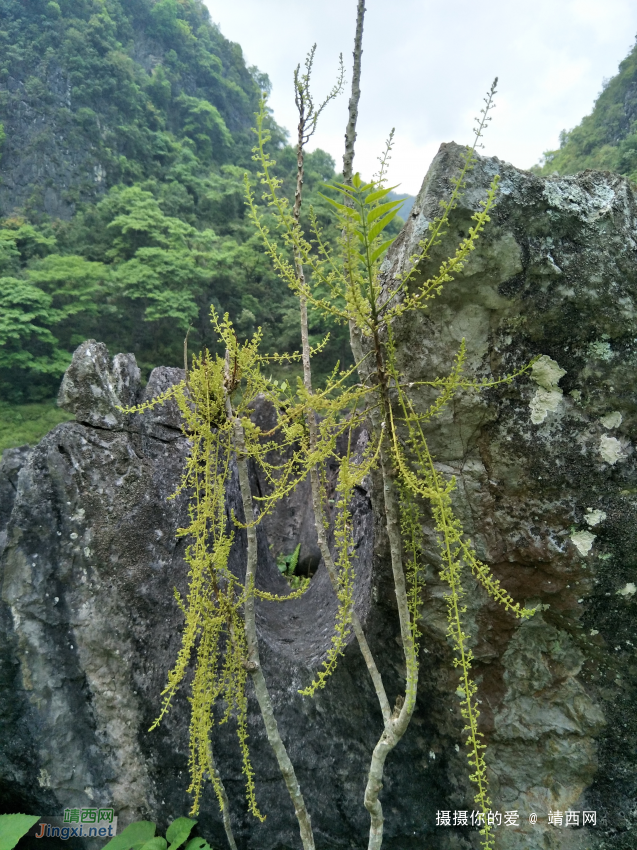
{"x":350,"y":142}
{"x":225,"y":811}
{"x":404,"y":709}
{"x":333,"y":575}
{"x":317,"y":503}
{"x":400,"y":718}
{"x":253,"y":663}
{"x":350,"y":130}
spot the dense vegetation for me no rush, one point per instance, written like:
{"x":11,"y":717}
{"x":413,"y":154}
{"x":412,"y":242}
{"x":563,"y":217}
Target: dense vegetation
{"x":153,"y":107}
{"x":28,"y":423}
{"x":605,"y":140}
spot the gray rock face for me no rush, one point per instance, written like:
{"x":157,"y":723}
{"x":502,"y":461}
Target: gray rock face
{"x":93,"y":387}
{"x":546,"y":488}
{"x":291,"y":523}
{"x":92,"y":630}
{"x":546,"y":481}
{"x":51,"y":157}
{"x":11,"y":463}
{"x":43,"y":164}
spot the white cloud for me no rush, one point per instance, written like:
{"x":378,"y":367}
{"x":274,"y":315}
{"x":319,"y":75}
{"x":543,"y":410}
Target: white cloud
{"x":427,"y":65}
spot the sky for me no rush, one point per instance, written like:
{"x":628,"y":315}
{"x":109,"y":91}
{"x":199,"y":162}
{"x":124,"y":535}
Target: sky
{"x":427,"y":66}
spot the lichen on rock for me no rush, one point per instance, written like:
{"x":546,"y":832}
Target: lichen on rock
{"x":612,"y":420}
{"x":594,"y":517}
{"x":583,"y":541}
{"x":610,"y":449}
{"x":522,"y":489}
{"x":547,"y":374}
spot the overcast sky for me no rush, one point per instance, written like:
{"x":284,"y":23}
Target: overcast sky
{"x":427,"y":66}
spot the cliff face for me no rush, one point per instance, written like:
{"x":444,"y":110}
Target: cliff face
{"x":93,"y":94}
{"x":39,"y":162}
{"x":546,"y":482}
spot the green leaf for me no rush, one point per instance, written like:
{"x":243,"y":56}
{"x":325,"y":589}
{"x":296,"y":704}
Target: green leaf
{"x":135,"y":834}
{"x":382,"y":209}
{"x":13,"y":827}
{"x":377,"y":252}
{"x":157,"y":843}
{"x":342,"y":186}
{"x":364,"y":239}
{"x":294,"y":559}
{"x":342,"y":208}
{"x":378,"y":228}
{"x":333,"y":202}
{"x":358,"y":184}
{"x":380,"y":193}
{"x":197,"y":844}
{"x":178,"y":832}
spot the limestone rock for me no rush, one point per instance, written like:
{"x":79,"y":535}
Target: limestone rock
{"x":93,"y":387}
{"x":90,"y":628}
{"x":554,"y":276}
{"x":11,"y":463}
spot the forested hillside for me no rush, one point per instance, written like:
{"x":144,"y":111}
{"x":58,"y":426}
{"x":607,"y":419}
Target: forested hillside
{"x":125,"y":132}
{"x":606,"y":140}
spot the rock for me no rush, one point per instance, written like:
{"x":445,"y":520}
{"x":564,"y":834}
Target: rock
{"x":554,"y":276}
{"x":90,"y":627}
{"x":94,"y":388}
{"x":164,"y":421}
{"x":290,"y":523}
{"x":11,"y":463}
{"x":43,"y":163}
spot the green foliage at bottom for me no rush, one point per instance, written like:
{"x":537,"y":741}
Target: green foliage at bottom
{"x":286,"y":565}
{"x":28,"y":423}
{"x":13,"y":827}
{"x":141,"y":836}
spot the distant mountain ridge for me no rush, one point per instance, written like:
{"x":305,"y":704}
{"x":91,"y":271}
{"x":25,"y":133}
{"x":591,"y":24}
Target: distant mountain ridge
{"x":96,"y":93}
{"x":125,"y":137}
{"x":605,"y":140}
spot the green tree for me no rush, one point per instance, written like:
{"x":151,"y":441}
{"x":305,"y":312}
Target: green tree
{"x":160,"y":145}
{"x":76,"y":288}
{"x":28,"y":349}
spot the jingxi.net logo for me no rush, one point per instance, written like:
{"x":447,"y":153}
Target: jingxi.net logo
{"x":77,"y":823}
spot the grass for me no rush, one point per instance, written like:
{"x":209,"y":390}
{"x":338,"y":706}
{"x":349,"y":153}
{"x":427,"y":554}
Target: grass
{"x":28,"y":423}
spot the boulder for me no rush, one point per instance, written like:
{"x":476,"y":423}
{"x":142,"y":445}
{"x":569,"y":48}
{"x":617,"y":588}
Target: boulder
{"x":91,"y":629}
{"x":546,"y":481}
{"x":546,"y":484}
